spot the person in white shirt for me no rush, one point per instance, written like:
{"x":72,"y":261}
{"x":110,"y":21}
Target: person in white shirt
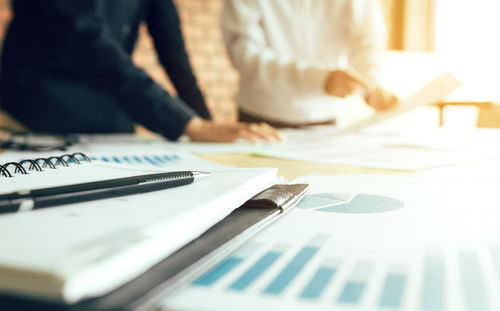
{"x":297,"y":59}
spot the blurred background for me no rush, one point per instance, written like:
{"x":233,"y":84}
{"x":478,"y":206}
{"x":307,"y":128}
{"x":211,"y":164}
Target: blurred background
{"x":424,"y":36}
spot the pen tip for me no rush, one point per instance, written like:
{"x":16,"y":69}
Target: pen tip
{"x":201,"y":174}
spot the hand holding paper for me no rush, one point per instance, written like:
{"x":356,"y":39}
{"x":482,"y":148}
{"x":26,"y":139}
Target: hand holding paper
{"x":342,"y":83}
{"x":381,"y":100}
{"x":433,"y":91}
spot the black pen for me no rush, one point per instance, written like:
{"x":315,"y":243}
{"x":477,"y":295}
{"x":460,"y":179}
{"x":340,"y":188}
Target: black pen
{"x":25,"y":200}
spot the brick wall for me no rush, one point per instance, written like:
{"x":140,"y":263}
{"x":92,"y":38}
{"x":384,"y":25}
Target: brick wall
{"x":201,"y":29}
{"x":200,"y":25}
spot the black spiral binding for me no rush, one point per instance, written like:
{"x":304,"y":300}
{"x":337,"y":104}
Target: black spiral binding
{"x":24,"y":166}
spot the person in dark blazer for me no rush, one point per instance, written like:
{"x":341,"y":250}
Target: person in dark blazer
{"x":67,"y":68}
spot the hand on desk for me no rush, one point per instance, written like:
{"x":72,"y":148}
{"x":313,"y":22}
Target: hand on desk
{"x":208,"y":131}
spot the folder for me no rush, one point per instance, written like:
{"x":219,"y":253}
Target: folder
{"x":147,"y":290}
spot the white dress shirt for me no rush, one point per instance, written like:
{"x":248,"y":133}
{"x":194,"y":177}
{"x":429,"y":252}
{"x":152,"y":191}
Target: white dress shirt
{"x":285,"y":49}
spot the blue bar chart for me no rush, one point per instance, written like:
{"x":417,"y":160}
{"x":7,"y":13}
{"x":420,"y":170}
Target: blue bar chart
{"x":148,"y":159}
{"x":310,"y":276}
{"x":359,"y":243}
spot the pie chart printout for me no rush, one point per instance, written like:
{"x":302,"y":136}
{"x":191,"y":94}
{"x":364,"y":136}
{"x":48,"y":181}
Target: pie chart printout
{"x":349,"y":203}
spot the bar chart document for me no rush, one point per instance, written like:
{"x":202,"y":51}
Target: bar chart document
{"x":366,"y":242}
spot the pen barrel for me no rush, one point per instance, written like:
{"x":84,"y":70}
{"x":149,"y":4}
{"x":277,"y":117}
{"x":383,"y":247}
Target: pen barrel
{"x":97,"y":185}
{"x":180,"y":178}
{"x":97,"y":194}
{"x":8,"y":207}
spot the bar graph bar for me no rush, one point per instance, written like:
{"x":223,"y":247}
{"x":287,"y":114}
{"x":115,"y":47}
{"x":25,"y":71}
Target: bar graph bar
{"x":320,"y":280}
{"x":259,"y":268}
{"x":127,"y":159}
{"x":474,"y":291}
{"x":227,"y":265}
{"x":433,"y":284}
{"x":137,"y":159}
{"x":158,"y":159}
{"x":105,"y":159}
{"x":357,"y":283}
{"x":150,"y":161}
{"x":295,"y":266}
{"x":393,"y":290}
{"x":495,"y":256}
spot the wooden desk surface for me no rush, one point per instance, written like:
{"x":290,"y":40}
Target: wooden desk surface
{"x":291,"y":169}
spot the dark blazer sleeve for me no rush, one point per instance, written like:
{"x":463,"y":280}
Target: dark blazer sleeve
{"x":164,"y":27}
{"x":88,"y":44}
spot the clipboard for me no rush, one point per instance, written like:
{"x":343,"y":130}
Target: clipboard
{"x":179,"y":269}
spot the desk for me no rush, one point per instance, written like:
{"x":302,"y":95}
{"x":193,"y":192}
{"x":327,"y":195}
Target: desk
{"x":291,"y":169}
{"x":483,"y":107}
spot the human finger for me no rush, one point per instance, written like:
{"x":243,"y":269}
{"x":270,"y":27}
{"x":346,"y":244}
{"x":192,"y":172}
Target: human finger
{"x":246,"y":133}
{"x":260,"y":132}
{"x":373,"y":99}
{"x":275,"y":133}
{"x":390,"y":100}
{"x":360,"y":79}
{"x":385,"y":100}
{"x":266,"y":132}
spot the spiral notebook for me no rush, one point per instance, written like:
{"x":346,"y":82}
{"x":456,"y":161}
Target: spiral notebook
{"x":88,"y":249}
{"x":51,"y":171}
